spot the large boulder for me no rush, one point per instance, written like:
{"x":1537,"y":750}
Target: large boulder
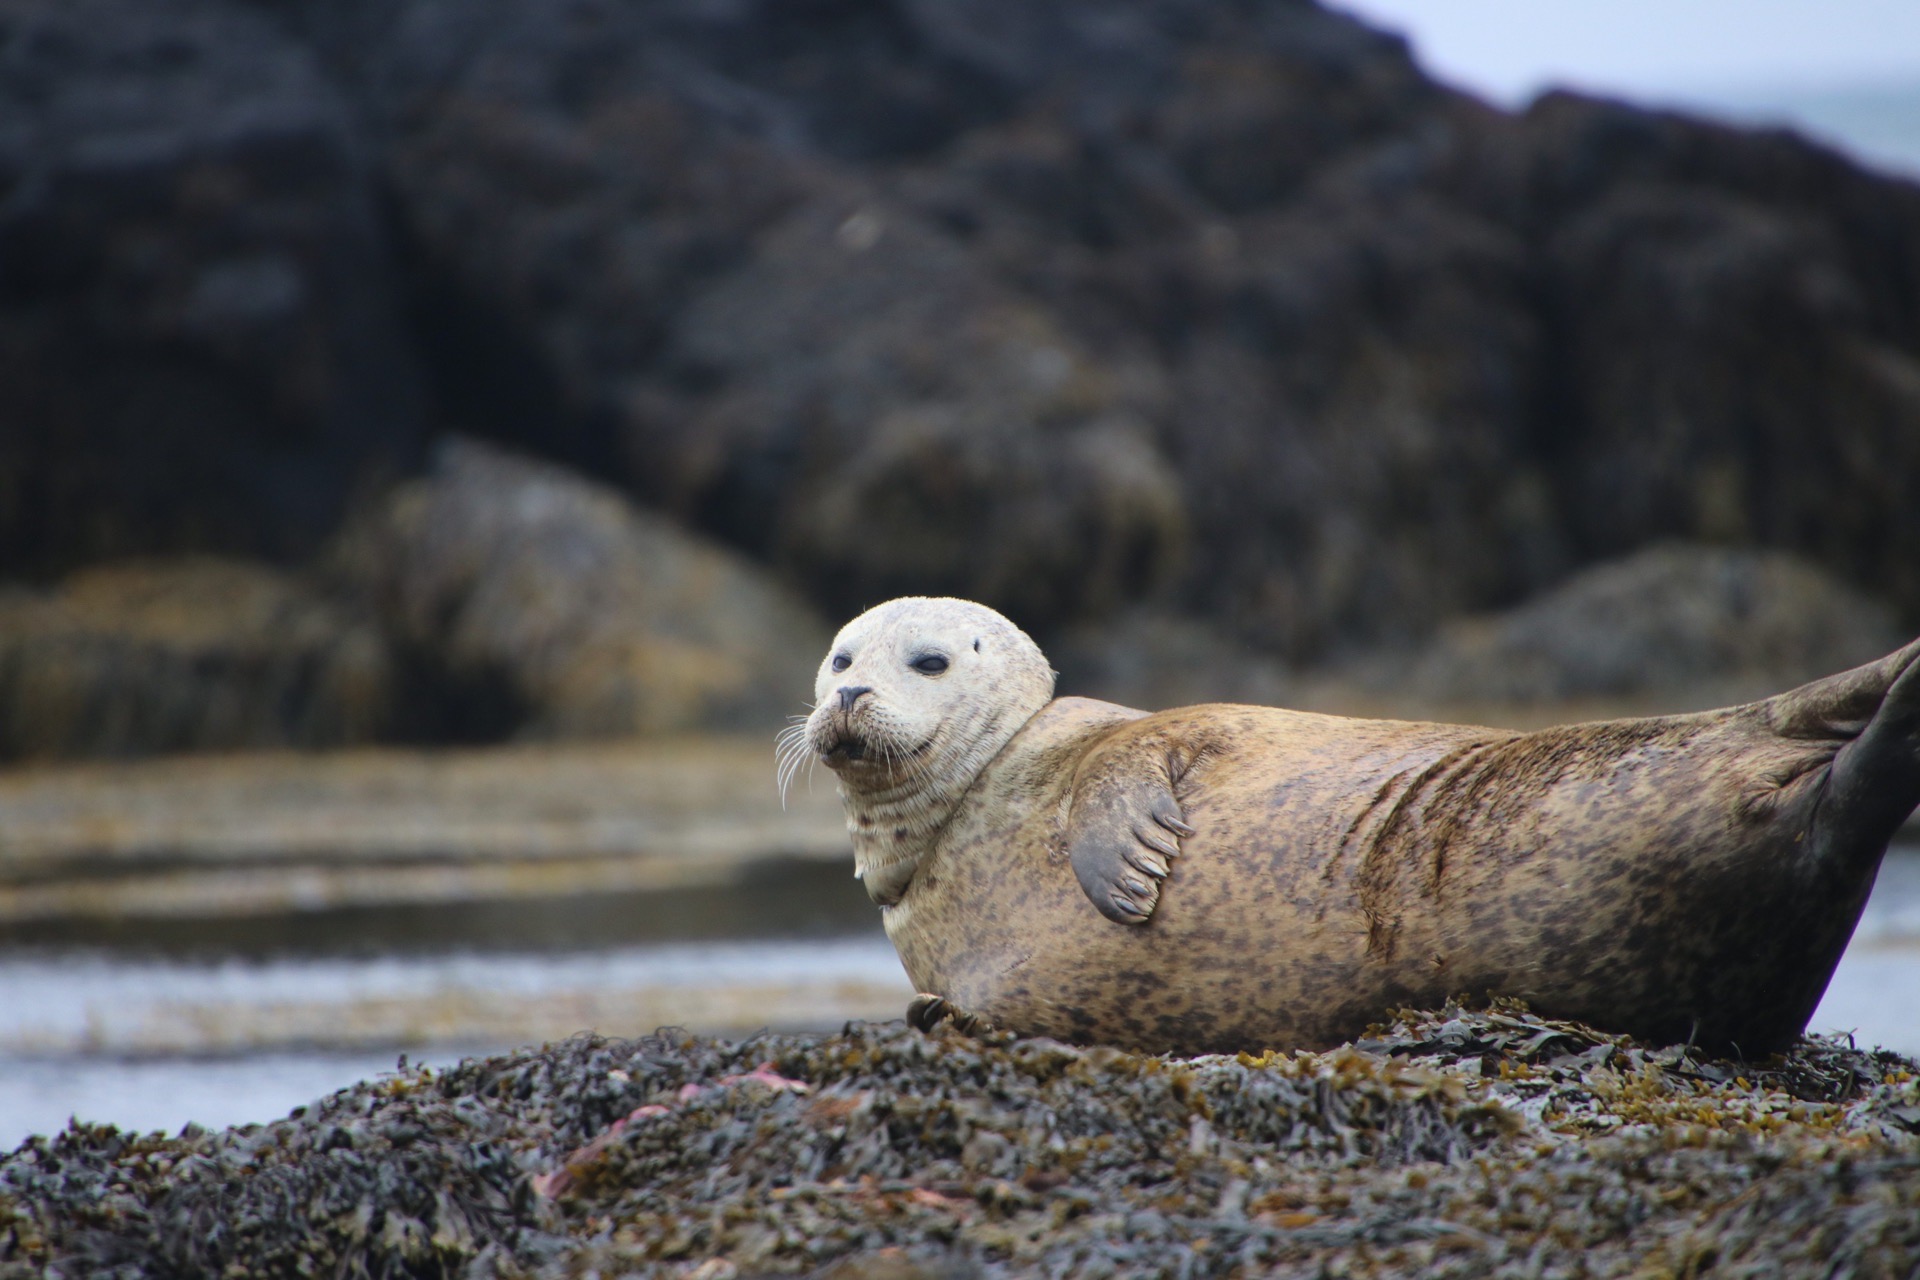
{"x":1678,"y":622}
{"x":1737,"y":324}
{"x":890,"y":419}
{"x":200,"y":338}
{"x":1014,"y":303}
{"x":1073,"y":306}
{"x":595,"y":617}
{"x":1057,"y":304}
{"x":1158,"y":658}
{"x":199,"y":653}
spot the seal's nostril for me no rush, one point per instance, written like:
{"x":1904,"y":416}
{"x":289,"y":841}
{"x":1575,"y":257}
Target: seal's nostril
{"x":850,"y":694}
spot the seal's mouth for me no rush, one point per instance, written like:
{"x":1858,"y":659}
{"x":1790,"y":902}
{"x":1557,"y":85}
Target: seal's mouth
{"x":848,"y":748}
{"x":845,"y":750}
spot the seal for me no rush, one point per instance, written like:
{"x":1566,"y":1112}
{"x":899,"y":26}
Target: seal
{"x":1223,"y":877}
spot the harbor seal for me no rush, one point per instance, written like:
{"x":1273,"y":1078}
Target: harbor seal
{"x":1223,"y":877}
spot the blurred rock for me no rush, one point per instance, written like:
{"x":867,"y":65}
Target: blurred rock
{"x":1063,"y":305}
{"x":194,"y":654}
{"x":1699,"y":624}
{"x":200,"y":343}
{"x":1739,"y":317}
{"x":892,"y":420}
{"x":1153,"y":659}
{"x":599,"y":618}
{"x":1016,"y":302}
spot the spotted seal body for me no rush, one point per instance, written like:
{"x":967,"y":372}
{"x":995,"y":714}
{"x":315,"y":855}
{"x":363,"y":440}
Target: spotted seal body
{"x":1226,"y":877}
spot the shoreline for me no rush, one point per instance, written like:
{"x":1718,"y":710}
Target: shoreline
{"x":1452,"y":1142}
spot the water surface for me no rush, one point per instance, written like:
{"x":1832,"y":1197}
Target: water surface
{"x":157,"y":1043}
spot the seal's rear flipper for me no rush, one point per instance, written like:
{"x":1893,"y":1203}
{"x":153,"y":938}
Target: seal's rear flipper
{"x":927,"y":1011}
{"x":1874,"y":780}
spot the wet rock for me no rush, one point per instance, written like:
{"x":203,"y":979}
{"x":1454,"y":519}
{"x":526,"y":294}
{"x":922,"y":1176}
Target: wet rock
{"x":595,"y":617}
{"x":1157,"y":658}
{"x":1067,"y":306}
{"x":1732,"y":369}
{"x":1677,"y":620}
{"x":191,"y":654}
{"x":1450,"y":1143}
{"x":893,"y":420}
{"x":200,"y":339}
{"x":1097,"y":285}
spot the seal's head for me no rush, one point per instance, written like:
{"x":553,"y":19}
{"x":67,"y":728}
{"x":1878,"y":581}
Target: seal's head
{"x":912,"y":701}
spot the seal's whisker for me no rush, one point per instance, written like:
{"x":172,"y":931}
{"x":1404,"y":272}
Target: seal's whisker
{"x":790,"y":750}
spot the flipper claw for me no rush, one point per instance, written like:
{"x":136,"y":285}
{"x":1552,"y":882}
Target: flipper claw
{"x":1122,"y":833}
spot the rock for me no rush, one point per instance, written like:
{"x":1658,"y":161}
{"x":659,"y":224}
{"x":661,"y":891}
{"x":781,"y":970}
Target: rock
{"x":1733,"y":369}
{"x":1098,"y":285}
{"x":194,"y":654}
{"x":892,"y":420}
{"x":1157,"y":658}
{"x":598,"y":618}
{"x":1352,"y":421}
{"x":1067,"y":306}
{"x":1449,"y":1144}
{"x":1704,"y":624}
{"x":200,"y":339}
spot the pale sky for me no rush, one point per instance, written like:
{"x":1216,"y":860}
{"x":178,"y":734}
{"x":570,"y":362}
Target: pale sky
{"x":1847,"y":71}
{"x":1508,"y":49}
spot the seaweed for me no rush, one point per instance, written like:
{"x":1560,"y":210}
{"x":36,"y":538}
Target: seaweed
{"x":1456,"y":1142}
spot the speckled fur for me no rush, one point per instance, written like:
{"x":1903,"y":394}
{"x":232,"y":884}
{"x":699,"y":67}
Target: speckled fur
{"x":1681,"y":877}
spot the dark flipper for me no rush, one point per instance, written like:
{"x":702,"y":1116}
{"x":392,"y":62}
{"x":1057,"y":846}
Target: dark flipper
{"x":1123,"y":831}
{"x":1874,"y":781}
{"x":927,"y":1011}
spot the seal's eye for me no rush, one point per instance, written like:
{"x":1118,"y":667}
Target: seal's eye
{"x":930,"y":665}
{"x":841,"y":662}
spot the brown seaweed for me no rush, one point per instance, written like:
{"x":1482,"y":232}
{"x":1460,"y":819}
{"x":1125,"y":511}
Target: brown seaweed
{"x":1453,"y":1143}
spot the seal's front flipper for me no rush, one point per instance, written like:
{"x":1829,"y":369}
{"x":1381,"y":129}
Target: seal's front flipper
{"x":1874,"y":781}
{"x":1123,"y":830}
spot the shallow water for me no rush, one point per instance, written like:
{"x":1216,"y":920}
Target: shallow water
{"x":145,"y":1044}
{"x":155,"y":1044}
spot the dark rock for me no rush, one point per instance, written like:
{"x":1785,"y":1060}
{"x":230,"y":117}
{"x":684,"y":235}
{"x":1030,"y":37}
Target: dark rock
{"x":199,"y":341}
{"x":1006,"y":347}
{"x":1063,"y":305}
{"x":892,"y":420}
{"x":1154,"y":659}
{"x":1741,"y":338}
{"x":1352,"y":419}
{"x":598,"y":618}
{"x":195,"y":654}
{"x":1704,"y":624}
{"x":844,"y":1155}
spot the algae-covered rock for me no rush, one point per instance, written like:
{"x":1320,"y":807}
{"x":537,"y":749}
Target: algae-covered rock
{"x":1456,"y":1143}
{"x":1677,"y":620}
{"x":200,"y":653}
{"x":888,"y":418}
{"x":598,"y":617}
{"x":201,"y":339}
{"x":1017,"y":301}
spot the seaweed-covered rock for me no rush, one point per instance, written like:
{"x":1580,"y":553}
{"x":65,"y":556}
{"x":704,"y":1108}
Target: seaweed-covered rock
{"x":199,"y":653}
{"x":892,"y":420}
{"x":201,"y":345}
{"x":1731,"y":370}
{"x":1155,"y":658}
{"x":597,"y":618}
{"x":1457,"y":1143}
{"x":1683,"y":621}
{"x":1065,"y":305}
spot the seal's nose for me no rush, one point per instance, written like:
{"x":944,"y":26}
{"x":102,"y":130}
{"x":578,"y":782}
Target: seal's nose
{"x":850,"y":694}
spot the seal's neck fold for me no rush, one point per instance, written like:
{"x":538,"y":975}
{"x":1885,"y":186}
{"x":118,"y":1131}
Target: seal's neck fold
{"x":897,"y":814}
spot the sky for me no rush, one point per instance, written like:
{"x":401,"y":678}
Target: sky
{"x":1845,"y":70}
